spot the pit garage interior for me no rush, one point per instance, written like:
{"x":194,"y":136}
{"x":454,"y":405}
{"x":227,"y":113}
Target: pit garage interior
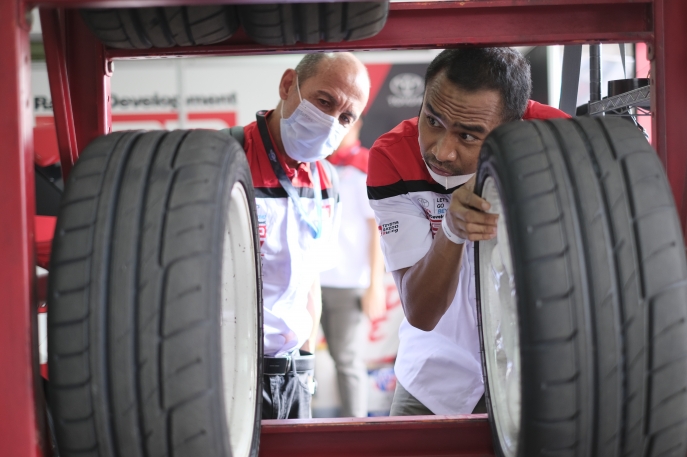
{"x":62,"y":87}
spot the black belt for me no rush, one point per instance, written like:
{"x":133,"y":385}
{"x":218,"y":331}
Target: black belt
{"x":305,"y":361}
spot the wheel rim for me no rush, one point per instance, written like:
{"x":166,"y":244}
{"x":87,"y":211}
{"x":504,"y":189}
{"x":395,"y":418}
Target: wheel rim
{"x":239,"y":323}
{"x":500,"y":327}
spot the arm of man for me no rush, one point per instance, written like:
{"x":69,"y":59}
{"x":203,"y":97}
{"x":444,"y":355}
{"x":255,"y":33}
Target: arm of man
{"x":315,"y":311}
{"x":374,"y":299}
{"x":428,"y":287}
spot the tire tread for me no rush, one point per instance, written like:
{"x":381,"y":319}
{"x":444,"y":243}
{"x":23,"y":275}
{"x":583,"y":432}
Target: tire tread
{"x":162,"y":27}
{"x":310,"y":23}
{"x":128,"y":357}
{"x":631,"y":244}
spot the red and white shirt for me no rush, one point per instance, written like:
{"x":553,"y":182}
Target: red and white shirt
{"x":291,"y":258}
{"x":441,"y":368}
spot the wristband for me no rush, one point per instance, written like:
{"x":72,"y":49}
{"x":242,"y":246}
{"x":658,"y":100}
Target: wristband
{"x":452,"y":237}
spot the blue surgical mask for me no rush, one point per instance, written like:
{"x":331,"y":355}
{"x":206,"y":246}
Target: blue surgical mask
{"x":309,"y":134}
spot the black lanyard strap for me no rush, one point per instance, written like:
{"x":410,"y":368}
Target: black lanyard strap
{"x":315,"y":226}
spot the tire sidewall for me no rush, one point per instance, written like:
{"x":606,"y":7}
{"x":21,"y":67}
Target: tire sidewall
{"x":237,"y":170}
{"x":490,"y":165}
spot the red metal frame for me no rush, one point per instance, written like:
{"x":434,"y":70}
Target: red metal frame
{"x":79,"y":75}
{"x":392,"y":436}
{"x":52,"y":26}
{"x":420,"y":5}
{"x":668,"y":54}
{"x":20,"y":412}
{"x":521,"y":22}
{"x":79,"y":69}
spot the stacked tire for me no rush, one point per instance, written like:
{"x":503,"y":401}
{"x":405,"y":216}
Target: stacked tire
{"x":268,"y":24}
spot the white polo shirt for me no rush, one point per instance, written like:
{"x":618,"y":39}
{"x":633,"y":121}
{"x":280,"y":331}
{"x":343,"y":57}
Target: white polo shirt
{"x":441,"y":368}
{"x":291,"y":258}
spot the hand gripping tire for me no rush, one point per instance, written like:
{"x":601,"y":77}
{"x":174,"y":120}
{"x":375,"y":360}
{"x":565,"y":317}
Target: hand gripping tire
{"x":155,"y":323}
{"x":143,"y":28}
{"x":286,"y":24}
{"x":582,"y":296}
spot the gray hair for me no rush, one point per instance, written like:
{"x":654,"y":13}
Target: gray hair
{"x":307,"y":67}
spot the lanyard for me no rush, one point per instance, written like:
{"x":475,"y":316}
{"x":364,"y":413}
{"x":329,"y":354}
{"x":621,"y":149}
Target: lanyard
{"x":315,"y":226}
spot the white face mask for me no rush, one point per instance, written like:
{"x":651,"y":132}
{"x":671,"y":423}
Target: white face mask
{"x":447,"y":181}
{"x":309,"y":134}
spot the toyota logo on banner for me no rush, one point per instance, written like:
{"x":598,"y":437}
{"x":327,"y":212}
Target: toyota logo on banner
{"x":406,"y":90}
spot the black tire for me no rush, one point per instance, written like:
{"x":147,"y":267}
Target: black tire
{"x":601,"y":282}
{"x":134,"y":296}
{"x":289,"y":23}
{"x":142,"y":28}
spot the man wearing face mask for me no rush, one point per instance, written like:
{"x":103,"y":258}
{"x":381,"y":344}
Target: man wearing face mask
{"x":420,"y":185}
{"x":298,"y":215}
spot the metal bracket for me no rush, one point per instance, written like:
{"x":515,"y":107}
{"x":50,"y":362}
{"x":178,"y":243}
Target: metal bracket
{"x":641,"y":96}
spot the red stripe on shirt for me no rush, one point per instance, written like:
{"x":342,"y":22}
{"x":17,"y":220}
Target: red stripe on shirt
{"x":351,"y":156}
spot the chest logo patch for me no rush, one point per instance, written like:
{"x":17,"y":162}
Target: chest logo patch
{"x":434,"y":211}
{"x":262,"y":224}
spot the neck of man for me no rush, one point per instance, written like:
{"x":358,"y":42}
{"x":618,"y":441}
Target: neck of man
{"x":274,"y":127}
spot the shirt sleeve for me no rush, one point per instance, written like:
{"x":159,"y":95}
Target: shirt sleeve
{"x":536,"y":110}
{"x":406,"y":234}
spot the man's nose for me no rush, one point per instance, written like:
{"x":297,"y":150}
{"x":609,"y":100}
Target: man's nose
{"x":445,"y":151}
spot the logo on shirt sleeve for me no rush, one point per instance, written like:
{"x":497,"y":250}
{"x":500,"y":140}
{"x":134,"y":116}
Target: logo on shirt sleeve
{"x":391,"y":227}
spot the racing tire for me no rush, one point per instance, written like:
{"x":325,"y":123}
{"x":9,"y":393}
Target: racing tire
{"x":286,"y":24}
{"x":582,"y":296}
{"x":155,"y":298}
{"x":143,"y":28}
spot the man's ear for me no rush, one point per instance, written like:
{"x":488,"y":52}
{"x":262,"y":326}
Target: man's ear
{"x":288,"y":79}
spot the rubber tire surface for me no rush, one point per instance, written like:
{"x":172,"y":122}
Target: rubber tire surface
{"x":601,"y":283}
{"x":289,"y":23}
{"x":142,"y":28}
{"x":134,"y":296}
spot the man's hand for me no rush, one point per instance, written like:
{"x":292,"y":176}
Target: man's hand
{"x":428,"y":288}
{"x":373,"y":302}
{"x":466,"y":215}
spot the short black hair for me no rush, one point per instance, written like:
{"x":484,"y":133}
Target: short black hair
{"x":473,"y":69}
